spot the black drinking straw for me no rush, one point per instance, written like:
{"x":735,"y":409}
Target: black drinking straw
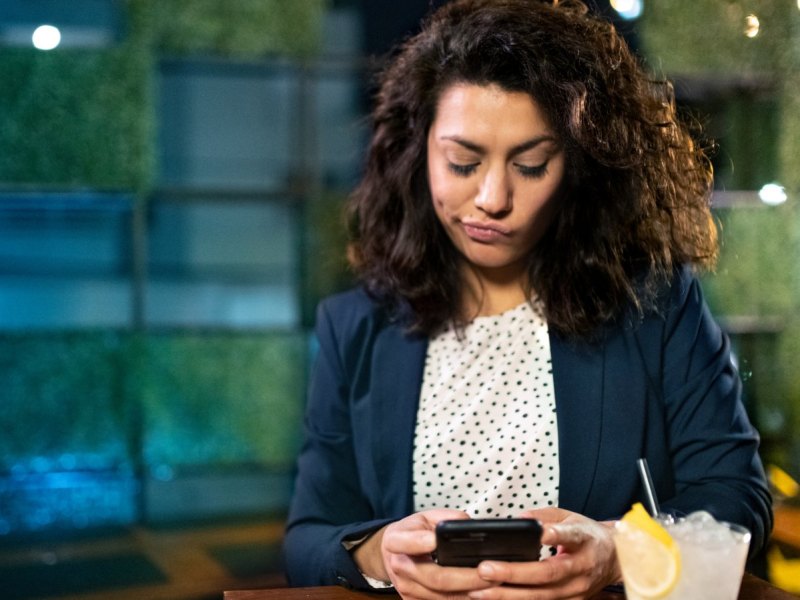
{"x":649,"y":488}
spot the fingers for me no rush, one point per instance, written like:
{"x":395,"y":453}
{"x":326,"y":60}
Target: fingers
{"x":564,"y":528}
{"x":545,"y":580}
{"x":445,"y":580}
{"x":570,"y":534}
{"x":584,"y":563}
{"x":548,"y":515}
{"x":428,"y":519}
{"x":579,"y":568}
{"x":414,"y":577}
{"x":440,"y":514}
{"x":406,"y":547}
{"x":417,"y":541}
{"x":544,"y":572}
{"x":415,"y":534}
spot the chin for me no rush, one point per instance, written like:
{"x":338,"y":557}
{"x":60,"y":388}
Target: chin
{"x":492,"y":262}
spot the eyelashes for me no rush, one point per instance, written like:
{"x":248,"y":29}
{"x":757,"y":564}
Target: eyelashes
{"x":532,"y":172}
{"x":462,"y":170}
{"x":526,"y":171}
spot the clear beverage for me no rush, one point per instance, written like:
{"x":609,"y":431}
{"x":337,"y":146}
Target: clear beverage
{"x":713,"y":555}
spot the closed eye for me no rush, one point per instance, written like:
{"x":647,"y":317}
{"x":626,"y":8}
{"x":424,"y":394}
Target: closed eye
{"x":532,"y":172}
{"x":463,"y":170}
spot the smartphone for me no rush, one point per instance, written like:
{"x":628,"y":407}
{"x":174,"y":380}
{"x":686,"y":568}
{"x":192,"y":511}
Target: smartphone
{"x":467,"y":542}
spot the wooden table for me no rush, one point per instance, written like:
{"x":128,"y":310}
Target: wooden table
{"x":753,"y":588}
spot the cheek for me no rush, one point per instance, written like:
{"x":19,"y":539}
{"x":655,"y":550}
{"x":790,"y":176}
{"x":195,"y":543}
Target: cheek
{"x":441,"y":189}
{"x":449,"y":190}
{"x":444,"y":212}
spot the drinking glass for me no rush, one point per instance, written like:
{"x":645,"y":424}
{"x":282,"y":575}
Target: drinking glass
{"x":713,"y":555}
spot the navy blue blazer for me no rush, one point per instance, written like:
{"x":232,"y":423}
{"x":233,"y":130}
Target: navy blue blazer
{"x":663,"y":388}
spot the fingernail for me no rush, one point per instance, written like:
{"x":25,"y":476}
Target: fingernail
{"x":486,"y":570}
{"x":475,"y":595}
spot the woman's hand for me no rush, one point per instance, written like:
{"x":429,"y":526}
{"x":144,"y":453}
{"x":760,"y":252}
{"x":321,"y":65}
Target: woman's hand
{"x":401,"y":553}
{"x":585,"y":562}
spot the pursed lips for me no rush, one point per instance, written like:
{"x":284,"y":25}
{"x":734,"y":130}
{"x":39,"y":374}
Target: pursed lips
{"x":484,"y":232}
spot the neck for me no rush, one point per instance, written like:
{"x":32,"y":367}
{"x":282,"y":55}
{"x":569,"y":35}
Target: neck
{"x":493,"y":291}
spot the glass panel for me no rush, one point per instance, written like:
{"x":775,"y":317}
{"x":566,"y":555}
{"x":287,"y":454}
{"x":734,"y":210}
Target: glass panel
{"x":64,"y":260}
{"x":223,"y":263}
{"x":225,"y":125}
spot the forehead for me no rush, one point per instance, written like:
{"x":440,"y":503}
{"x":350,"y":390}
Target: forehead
{"x":478,"y":107}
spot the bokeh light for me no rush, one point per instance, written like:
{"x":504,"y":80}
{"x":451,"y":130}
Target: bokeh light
{"x":752,"y":26}
{"x":46,"y":37}
{"x":628,"y":9}
{"x":772,"y":194}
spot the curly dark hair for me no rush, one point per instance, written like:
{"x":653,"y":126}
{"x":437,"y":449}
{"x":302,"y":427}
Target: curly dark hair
{"x":637,"y":204}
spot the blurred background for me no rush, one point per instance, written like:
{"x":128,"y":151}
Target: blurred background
{"x":171,"y":180}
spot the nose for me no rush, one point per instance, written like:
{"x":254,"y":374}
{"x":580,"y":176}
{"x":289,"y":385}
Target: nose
{"x":495,"y":193}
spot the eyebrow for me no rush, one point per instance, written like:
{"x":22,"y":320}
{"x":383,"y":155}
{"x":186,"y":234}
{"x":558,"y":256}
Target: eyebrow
{"x":518,"y":149}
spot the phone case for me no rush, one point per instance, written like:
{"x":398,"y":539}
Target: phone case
{"x":467,"y":542}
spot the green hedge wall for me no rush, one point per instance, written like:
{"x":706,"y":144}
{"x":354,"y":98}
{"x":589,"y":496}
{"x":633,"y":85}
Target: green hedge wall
{"x":242,"y":28}
{"x":86,"y":117}
{"x":706,"y":38}
{"x":64,"y":403}
{"x":76,"y":117}
{"x":96,"y":401}
{"x":222,"y":400}
{"x":756,"y":274}
{"x":758,"y":277}
{"x":324,"y":253}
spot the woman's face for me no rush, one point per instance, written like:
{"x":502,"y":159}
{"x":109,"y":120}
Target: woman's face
{"x":494,"y":170}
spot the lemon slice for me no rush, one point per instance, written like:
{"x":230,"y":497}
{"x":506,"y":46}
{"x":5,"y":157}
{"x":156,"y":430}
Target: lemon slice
{"x":649,"y":557}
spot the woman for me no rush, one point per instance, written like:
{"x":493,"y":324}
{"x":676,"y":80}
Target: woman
{"x":528,"y":324}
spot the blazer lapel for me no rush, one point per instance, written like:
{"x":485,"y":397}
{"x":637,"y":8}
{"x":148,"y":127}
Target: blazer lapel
{"x":578,"y":381}
{"x":396,"y":398}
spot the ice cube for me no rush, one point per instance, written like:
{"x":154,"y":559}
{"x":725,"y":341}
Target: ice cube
{"x":700,"y":517}
{"x":702,"y":528}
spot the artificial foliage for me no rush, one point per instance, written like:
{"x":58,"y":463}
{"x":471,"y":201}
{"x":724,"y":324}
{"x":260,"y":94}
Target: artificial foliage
{"x":238,"y":28}
{"x":63,"y":404}
{"x":789,"y":138}
{"x":786,"y":391}
{"x":758,"y":279}
{"x":755,"y":276}
{"x":217,"y":400}
{"x":707,"y":37}
{"x":111,"y":400}
{"x":98,"y":404}
{"x":705,"y":40}
{"x":747,"y":131}
{"x":324,"y":252}
{"x":87,"y":117}
{"x":83,"y":412}
{"x":76,"y":117}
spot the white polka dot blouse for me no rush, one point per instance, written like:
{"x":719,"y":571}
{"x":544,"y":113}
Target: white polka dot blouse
{"x":486,"y":439}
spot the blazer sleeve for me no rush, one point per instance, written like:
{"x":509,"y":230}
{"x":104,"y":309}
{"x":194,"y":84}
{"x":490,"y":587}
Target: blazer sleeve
{"x":713,"y":446}
{"x":328,"y":504}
